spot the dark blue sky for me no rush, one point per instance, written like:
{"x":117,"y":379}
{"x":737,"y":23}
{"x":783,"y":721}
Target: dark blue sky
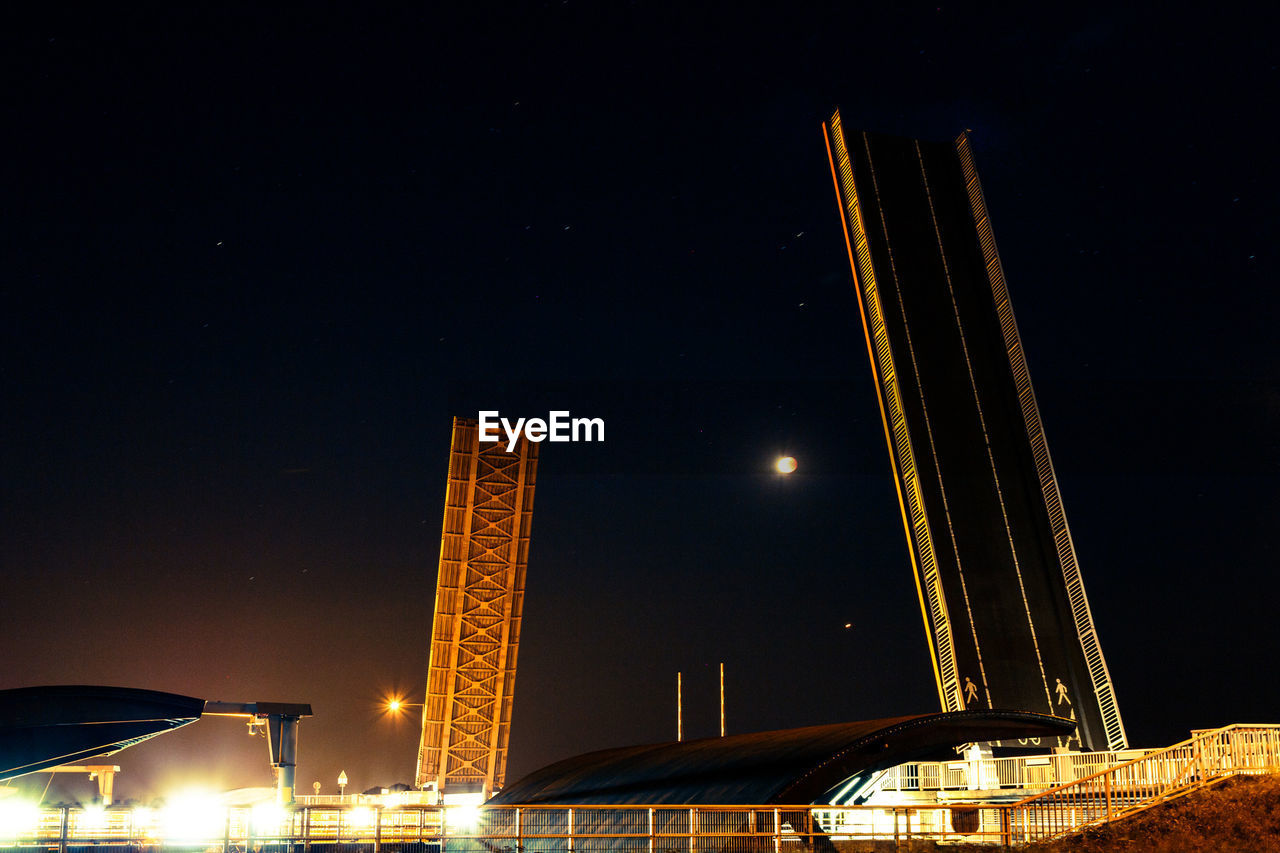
{"x":254,"y":262}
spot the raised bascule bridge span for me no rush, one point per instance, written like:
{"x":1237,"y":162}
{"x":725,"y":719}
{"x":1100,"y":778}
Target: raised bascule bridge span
{"x":1004,"y":605}
{"x":475,"y":632}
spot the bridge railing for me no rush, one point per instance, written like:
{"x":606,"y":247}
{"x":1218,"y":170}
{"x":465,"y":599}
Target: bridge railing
{"x":1154,"y":778}
{"x":509,"y":829}
{"x":1025,"y":773}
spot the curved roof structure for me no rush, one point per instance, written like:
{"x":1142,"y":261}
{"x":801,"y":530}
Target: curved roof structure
{"x":788,"y":766}
{"x":42,"y":727}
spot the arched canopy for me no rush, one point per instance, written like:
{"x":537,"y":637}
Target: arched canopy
{"x":43,"y":727}
{"x":788,"y":766}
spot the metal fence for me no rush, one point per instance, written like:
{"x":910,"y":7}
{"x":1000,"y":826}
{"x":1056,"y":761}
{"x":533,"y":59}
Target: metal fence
{"x":1024,"y":773}
{"x":508,"y":829}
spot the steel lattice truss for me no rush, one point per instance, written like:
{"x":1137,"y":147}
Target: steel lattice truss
{"x":475,"y":635}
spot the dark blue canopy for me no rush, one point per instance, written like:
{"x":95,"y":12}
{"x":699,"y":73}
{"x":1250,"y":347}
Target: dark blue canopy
{"x":43,"y":727}
{"x":788,"y":766}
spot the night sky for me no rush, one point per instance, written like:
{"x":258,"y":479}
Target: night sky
{"x":253,"y":263}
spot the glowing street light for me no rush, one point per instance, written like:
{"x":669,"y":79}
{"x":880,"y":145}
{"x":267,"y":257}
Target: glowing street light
{"x":395,"y":705}
{"x":785,"y":465}
{"x":342,"y":783}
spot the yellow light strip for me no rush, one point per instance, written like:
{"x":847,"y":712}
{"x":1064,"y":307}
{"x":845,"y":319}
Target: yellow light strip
{"x":915,"y":522}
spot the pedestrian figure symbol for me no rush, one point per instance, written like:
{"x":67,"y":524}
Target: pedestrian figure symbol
{"x":1062,"y":692}
{"x":970,"y":690}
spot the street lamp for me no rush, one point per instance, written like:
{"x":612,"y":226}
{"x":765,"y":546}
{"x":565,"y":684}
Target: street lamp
{"x":395,"y":705}
{"x":342,"y":783}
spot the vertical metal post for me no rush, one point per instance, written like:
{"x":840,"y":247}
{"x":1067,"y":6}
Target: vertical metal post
{"x":650,"y":829}
{"x":306,"y":830}
{"x":62,"y":829}
{"x":226,"y":835}
{"x":377,"y":828}
{"x":721,"y":698}
{"x":1106,"y":783}
{"x":679,"y":706}
{"x":519,"y":832}
{"x":693,"y":828}
{"x":777,"y":831}
{"x":570,"y":830}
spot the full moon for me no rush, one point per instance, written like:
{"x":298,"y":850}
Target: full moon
{"x":785,"y":464}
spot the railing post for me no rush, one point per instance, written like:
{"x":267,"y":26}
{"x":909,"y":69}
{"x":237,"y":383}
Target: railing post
{"x":650,"y":829}
{"x":306,"y":829}
{"x":777,"y":831}
{"x":377,"y":828}
{"x":519,"y":832}
{"x":1106,"y":783}
{"x":64,"y":819}
{"x":226,"y":835}
{"x":570,"y":830}
{"x":693,"y":828}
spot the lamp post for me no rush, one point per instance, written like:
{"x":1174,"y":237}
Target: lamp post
{"x":342,"y":784}
{"x":395,"y":706}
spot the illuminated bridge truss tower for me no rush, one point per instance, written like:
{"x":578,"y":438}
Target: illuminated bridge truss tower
{"x":1004,"y":606}
{"x":475,"y":634}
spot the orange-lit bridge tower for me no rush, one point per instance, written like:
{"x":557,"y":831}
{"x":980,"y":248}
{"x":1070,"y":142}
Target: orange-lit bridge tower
{"x":484,"y":550}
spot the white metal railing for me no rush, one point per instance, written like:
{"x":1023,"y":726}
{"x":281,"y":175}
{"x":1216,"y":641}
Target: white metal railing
{"x":1023,"y":773}
{"x":507,"y":829}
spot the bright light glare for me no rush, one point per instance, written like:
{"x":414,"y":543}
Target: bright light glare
{"x":362,"y":817}
{"x":268,"y":817}
{"x":393,"y":706}
{"x":463,"y":816}
{"x":192,"y":816}
{"x":785,"y":464}
{"x":93,"y":817}
{"x":17,"y":818}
